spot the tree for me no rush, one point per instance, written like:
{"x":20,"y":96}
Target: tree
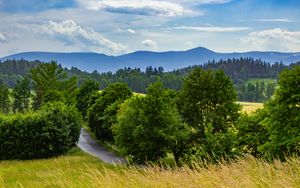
{"x":51,"y":77}
{"x":4,"y":99}
{"x":283,"y":118}
{"x":149,"y":127}
{"x":21,"y":96}
{"x":84,"y":94}
{"x":111,"y":94}
{"x":207,"y":102}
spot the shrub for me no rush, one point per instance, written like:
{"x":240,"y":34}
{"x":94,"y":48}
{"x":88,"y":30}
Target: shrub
{"x":51,"y":131}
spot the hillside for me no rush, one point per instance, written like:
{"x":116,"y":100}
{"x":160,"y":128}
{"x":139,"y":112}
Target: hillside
{"x":141,"y":59}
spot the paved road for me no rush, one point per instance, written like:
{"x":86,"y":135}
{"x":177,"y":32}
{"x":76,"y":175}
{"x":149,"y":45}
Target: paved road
{"x":87,"y":144}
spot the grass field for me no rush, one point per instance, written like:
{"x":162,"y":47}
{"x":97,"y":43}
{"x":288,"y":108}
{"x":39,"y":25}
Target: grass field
{"x":266,"y":80}
{"x":250,"y":107}
{"x":81,"y":170}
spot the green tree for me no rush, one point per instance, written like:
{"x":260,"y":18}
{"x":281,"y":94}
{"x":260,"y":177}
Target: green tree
{"x":113,"y":93}
{"x":283,"y":118}
{"x":4,"y":99}
{"x":149,"y":127}
{"x":84,"y":95}
{"x":207,"y":102}
{"x":51,"y":77}
{"x":21,"y":96}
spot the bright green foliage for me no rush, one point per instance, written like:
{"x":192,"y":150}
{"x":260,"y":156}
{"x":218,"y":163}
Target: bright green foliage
{"x":49,"y":77}
{"x":98,"y":124}
{"x":4,"y":99}
{"x":21,"y":96}
{"x":283,"y":118}
{"x":207,"y":102}
{"x":251,"y":132}
{"x":51,"y":131}
{"x":149,"y":127}
{"x":84,"y":95}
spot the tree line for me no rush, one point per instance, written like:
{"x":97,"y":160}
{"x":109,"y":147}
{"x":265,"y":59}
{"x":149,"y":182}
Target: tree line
{"x":201,"y":121}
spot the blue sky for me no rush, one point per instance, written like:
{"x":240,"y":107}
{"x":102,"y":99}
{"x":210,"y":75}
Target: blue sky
{"x":116,"y":27}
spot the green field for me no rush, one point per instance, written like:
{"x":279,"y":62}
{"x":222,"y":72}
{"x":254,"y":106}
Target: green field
{"x":250,"y":107}
{"x":81,"y":170}
{"x":266,"y":80}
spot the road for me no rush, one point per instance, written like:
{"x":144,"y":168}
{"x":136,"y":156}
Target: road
{"x":89,"y":145}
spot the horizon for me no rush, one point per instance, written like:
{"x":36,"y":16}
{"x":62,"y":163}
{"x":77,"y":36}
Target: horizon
{"x":120,"y":27}
{"x":100,"y":53}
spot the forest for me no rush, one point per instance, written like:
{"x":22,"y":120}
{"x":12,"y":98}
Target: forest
{"x":241,"y":71}
{"x":200,"y":121}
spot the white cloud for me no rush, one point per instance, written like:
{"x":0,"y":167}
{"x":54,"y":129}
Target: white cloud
{"x":165,"y":8}
{"x":212,"y":29}
{"x":150,"y":44}
{"x":140,"y":7}
{"x":131,"y":31}
{"x":70,"y":33}
{"x":275,"y":20}
{"x":276,"y":39}
{"x":2,"y":38}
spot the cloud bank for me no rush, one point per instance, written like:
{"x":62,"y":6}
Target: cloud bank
{"x":276,"y":39}
{"x":70,"y":33}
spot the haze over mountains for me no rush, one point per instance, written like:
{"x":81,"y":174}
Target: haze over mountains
{"x":141,"y":59}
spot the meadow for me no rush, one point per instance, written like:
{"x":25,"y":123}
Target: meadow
{"x":81,"y":170}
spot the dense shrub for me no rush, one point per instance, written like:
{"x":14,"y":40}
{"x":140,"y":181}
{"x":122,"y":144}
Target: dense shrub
{"x":51,"y":131}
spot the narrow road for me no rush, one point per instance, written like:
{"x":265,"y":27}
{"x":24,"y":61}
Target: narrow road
{"x":89,"y":145}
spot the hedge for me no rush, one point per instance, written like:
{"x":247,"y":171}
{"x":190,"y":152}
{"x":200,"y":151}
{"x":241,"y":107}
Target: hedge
{"x":49,"y":132}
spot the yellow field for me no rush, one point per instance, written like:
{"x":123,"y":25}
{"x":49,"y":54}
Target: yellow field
{"x":80,"y":170}
{"x":250,"y":107}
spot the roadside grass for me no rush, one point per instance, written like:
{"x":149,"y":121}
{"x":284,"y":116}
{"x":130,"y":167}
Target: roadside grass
{"x":81,"y":170}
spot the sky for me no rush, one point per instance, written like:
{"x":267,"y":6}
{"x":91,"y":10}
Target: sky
{"x":116,"y":27}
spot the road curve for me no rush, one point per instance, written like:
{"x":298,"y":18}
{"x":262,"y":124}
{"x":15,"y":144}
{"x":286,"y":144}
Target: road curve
{"x":89,"y":145}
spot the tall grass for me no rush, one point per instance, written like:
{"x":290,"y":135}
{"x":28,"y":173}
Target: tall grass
{"x":85,"y":171}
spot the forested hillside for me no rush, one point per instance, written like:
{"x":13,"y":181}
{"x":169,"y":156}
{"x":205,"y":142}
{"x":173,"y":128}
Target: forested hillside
{"x":239,"y":70}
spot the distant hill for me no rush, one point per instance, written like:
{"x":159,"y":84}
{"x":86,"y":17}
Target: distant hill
{"x":141,"y":59}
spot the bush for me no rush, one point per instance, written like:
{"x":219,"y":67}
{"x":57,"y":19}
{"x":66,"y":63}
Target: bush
{"x":51,"y":131}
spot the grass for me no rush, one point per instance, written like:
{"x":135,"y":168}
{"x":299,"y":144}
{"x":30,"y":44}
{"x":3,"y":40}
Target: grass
{"x":266,"y":80}
{"x":250,"y":107}
{"x":81,"y":170}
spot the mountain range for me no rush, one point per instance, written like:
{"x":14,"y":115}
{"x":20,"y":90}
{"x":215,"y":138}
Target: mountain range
{"x":141,"y":59}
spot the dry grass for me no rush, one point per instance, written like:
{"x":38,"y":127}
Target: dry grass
{"x":84,"y":171}
{"x":250,"y":107}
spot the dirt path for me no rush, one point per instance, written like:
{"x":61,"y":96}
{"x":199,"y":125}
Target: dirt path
{"x":89,"y":145}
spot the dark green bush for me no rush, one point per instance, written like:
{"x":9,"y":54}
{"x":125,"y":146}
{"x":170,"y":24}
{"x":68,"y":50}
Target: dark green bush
{"x":49,"y":132}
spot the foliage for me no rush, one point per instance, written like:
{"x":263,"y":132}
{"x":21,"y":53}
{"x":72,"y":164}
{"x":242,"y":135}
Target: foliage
{"x":207,"y":102}
{"x":4,"y":99}
{"x":239,"y":70}
{"x":21,"y":96}
{"x":84,"y":95}
{"x":252,"y":133}
{"x":283,"y":118}
{"x":149,"y":127}
{"x":101,"y":126}
{"x":51,"y":77}
{"x":51,"y":131}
